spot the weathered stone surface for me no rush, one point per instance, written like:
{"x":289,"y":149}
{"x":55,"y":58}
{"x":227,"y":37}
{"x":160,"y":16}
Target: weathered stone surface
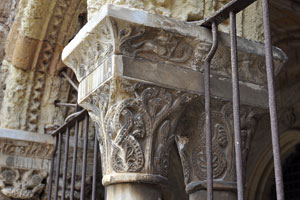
{"x":190,"y":139}
{"x":28,"y":98}
{"x":162,"y":51}
{"x":8,"y":10}
{"x":25,"y":150}
{"x":21,"y":184}
{"x":138,"y":79}
{"x":249,"y":21}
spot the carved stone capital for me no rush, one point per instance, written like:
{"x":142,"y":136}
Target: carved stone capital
{"x":136,"y":124}
{"x":138,"y":71}
{"x":190,"y":139}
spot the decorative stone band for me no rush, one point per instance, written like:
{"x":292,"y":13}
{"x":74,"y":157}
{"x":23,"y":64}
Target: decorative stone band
{"x":170,"y":76}
{"x":138,"y":34}
{"x":25,"y":149}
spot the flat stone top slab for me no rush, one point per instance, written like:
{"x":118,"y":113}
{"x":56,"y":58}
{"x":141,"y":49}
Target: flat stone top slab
{"x":159,"y":21}
{"x":163,"y":51}
{"x":10,"y":134}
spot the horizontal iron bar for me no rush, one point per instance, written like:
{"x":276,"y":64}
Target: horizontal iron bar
{"x":65,"y":104}
{"x":223,"y":14}
{"x":71,"y":122}
{"x":70,"y":80}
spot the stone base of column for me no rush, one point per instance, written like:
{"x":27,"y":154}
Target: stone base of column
{"x":129,"y":191}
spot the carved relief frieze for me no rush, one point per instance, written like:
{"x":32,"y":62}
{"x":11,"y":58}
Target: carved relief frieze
{"x":155,"y":45}
{"x":191,"y":137}
{"x":21,"y":183}
{"x":26,"y":149}
{"x":161,"y":40}
{"x":136,"y":125}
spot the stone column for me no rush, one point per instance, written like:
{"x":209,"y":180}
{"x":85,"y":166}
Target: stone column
{"x":138,"y":74}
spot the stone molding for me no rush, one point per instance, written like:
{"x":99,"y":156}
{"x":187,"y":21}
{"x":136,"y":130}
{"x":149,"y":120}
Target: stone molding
{"x":25,"y":149}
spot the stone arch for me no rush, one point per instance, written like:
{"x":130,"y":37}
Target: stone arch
{"x":259,"y":180}
{"x":30,"y":69}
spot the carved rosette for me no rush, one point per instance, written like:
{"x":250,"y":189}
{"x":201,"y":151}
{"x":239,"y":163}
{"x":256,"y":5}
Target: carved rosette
{"x":136,"y":124}
{"x":190,"y":138}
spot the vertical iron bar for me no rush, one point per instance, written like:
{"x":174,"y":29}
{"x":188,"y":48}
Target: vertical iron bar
{"x":207,"y":111}
{"x":74,"y":161}
{"x":96,"y":146}
{"x":57,"y":167}
{"x":86,"y":132}
{"x":236,"y":107}
{"x":52,"y":169}
{"x":65,"y":163}
{"x":272,"y":102}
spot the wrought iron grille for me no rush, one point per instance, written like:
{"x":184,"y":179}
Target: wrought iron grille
{"x":228,"y":11}
{"x":79,"y":121}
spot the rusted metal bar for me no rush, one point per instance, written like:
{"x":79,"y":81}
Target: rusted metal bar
{"x":236,"y":108}
{"x":70,"y":80}
{"x":75,"y":118}
{"x":57,"y":167}
{"x":272,"y":102}
{"x":74,"y":161}
{"x":221,"y":15}
{"x":84,"y":161}
{"x":65,"y":104}
{"x":96,"y":145}
{"x":207,"y":111}
{"x":65,"y":163}
{"x":52,"y":169}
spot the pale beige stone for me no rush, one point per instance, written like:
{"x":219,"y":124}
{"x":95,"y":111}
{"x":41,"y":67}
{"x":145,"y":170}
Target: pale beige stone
{"x":14,"y":104}
{"x":177,"y":9}
{"x":249,"y":21}
{"x":36,"y":15}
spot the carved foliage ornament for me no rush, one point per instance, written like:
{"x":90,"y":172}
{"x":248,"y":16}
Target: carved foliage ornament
{"x":22,"y":184}
{"x":191,"y":140}
{"x":136,"y":131}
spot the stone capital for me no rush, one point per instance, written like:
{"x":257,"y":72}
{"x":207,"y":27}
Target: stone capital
{"x":139,"y":75}
{"x":136,"y":123}
{"x":190,"y":139}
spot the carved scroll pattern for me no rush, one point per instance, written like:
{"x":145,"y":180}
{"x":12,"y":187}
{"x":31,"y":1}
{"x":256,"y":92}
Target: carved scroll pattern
{"x":191,"y":139}
{"x":144,"y":42}
{"x":145,"y":119}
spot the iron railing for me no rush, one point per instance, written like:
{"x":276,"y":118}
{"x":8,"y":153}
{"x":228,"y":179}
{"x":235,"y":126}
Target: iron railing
{"x":228,"y":11}
{"x":62,"y":134}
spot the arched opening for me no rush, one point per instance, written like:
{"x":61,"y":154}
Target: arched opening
{"x":291,"y":176}
{"x":261,"y":184}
